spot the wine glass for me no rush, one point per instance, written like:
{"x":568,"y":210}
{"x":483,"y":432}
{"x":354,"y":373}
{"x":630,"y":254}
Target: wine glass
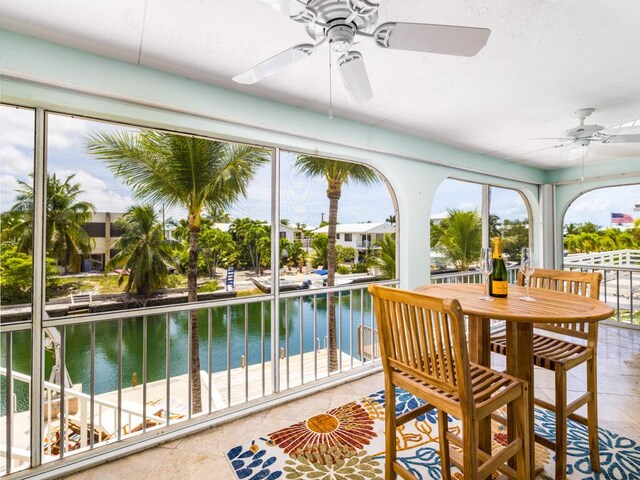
{"x":527,"y":269}
{"x":486,"y":267}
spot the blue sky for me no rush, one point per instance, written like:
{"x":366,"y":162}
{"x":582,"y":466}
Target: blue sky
{"x":302,"y":200}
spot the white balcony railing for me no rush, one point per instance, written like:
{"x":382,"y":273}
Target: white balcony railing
{"x":129,"y":372}
{"x":470,"y":276}
{"x":620,"y":285}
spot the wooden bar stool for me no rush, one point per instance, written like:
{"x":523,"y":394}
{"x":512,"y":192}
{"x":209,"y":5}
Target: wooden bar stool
{"x":424,"y":351}
{"x":560,"y":356}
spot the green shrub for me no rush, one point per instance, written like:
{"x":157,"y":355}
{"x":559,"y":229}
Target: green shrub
{"x":210,"y":286}
{"x":174,"y":280}
{"x":16,"y":275}
{"x":343,"y":269}
{"x":360,"y":268}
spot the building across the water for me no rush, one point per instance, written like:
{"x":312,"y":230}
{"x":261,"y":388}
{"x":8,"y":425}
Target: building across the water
{"x":103,"y":231}
{"x":361,"y":236}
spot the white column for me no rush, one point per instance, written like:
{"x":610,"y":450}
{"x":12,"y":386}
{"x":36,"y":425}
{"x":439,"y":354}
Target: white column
{"x":548,"y":228}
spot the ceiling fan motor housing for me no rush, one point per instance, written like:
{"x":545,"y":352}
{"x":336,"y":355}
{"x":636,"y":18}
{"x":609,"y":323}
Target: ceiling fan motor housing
{"x":341,"y":37}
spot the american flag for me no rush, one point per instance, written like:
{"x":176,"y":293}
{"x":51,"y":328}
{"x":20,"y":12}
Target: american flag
{"x":621,"y":218}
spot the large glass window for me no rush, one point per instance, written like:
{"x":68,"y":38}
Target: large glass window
{"x":601,"y":232}
{"x":138,"y":218}
{"x":509,"y":219}
{"x":337,"y":229}
{"x":17,"y":133}
{"x":603,"y":220}
{"x":457,"y":226}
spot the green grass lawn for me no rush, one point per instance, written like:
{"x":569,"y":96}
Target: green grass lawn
{"x":108,"y":284}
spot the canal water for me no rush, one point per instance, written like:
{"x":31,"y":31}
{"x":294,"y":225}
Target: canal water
{"x":78,"y":342}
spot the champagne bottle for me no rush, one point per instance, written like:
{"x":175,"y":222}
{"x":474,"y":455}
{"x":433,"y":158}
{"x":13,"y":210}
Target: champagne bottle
{"x":498,"y":278}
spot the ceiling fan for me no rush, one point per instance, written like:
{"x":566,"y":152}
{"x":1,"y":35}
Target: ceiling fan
{"x":581,"y":136}
{"x":340,"y":22}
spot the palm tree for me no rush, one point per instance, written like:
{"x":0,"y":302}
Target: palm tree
{"x":253,"y":238}
{"x":144,"y":252}
{"x":337,"y":174}
{"x":189,"y":172}
{"x":386,"y":258}
{"x":319,"y":244}
{"x":461,"y":238}
{"x":572,"y":229}
{"x":66,"y":240}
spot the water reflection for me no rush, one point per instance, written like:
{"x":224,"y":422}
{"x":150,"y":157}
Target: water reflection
{"x":78,"y":341}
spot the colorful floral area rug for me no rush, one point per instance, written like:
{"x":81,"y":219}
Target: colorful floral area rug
{"x":347,"y":443}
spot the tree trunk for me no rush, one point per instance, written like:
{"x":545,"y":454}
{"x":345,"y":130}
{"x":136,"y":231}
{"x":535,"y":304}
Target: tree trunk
{"x":192,"y":283}
{"x":333,"y":193}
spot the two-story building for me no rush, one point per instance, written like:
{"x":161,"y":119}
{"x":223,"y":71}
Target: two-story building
{"x":361,"y":236}
{"x":103,"y":232}
{"x":286,"y":231}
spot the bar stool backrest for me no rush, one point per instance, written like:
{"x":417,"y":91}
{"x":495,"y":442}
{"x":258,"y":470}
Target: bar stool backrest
{"x":578,"y":283}
{"x":424,"y":337}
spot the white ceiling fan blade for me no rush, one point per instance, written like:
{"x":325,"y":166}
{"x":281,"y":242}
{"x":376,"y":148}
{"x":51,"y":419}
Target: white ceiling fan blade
{"x":622,"y":138}
{"x":424,"y":37}
{"x":560,"y":139}
{"x":624,"y":128}
{"x":275,"y":64}
{"x":354,"y":75}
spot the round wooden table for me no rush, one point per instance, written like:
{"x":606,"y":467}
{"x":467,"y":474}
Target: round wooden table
{"x":549,"y":307}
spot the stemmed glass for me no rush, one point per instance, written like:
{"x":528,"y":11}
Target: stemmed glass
{"x":527,"y":269}
{"x":486,"y":267}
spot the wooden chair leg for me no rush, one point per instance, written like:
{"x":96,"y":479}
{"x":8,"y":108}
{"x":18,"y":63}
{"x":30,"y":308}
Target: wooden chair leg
{"x":521,"y":407}
{"x":561,"y":423}
{"x":470,"y":440}
{"x":592,"y":414}
{"x":443,"y":428}
{"x":390,"y":430}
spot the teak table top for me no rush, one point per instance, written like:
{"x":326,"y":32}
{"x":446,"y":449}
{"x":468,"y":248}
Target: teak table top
{"x":550,"y":305}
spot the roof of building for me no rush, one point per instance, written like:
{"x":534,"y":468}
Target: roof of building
{"x":225,"y":226}
{"x":381,"y":227}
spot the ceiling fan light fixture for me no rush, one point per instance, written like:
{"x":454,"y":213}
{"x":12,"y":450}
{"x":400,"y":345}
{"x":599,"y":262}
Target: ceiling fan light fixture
{"x":341,"y":38}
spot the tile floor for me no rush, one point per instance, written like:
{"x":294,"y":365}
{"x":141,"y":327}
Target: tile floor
{"x":202,"y":455}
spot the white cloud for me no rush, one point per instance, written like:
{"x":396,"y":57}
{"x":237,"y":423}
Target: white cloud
{"x":8,"y":185}
{"x":467,"y":206}
{"x":596,"y":206}
{"x":98,"y":192}
{"x":17,"y":127}
{"x":15,"y":161}
{"x":65,"y":132}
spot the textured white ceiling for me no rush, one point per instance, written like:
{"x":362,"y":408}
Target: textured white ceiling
{"x":544,"y":60}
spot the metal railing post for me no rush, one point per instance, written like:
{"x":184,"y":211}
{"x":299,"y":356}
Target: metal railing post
{"x":275,"y":270}
{"x":39,"y":282}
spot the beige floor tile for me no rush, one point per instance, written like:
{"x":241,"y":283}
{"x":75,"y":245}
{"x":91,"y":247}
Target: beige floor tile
{"x":362,"y":387}
{"x":302,"y":408}
{"x":191,"y":466}
{"x":621,"y":428}
{"x":270,"y":425}
{"x":216,"y":440}
{"x":627,"y":404}
{"x":340,"y":399}
{"x":136,"y":466}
